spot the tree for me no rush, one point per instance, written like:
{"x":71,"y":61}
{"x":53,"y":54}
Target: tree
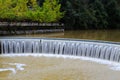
{"x":100,"y":14}
{"x":113,"y":11}
{"x":51,"y":10}
{"x":22,"y":10}
{"x":91,"y":14}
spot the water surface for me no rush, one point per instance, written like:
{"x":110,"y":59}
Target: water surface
{"x":107,"y":35}
{"x":52,"y":68}
{"x":44,"y":68}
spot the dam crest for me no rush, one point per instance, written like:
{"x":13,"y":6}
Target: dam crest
{"x":84,"y":48}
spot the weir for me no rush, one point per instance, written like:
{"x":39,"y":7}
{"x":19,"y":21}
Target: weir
{"x":94,"y":49}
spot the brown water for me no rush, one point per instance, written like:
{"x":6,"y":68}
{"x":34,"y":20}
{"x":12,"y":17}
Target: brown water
{"x":44,"y":68}
{"x":107,"y":35}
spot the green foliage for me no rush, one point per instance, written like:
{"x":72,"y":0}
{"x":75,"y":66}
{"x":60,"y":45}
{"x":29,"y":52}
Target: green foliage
{"x":51,"y":11}
{"x":29,"y":10}
{"x":91,"y":14}
{"x":100,"y":14}
{"x":113,"y":11}
{"x":78,"y":14}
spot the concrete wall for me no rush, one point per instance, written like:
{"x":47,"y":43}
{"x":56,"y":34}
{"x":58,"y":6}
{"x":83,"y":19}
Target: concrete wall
{"x":10,"y":28}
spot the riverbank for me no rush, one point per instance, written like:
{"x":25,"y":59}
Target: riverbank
{"x":15,"y":28}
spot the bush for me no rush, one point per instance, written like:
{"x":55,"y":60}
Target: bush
{"x":21,"y":10}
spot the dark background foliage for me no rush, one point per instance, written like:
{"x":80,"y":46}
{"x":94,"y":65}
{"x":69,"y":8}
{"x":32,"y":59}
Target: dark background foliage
{"x":91,"y":14}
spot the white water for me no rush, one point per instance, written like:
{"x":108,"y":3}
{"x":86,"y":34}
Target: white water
{"x":18,"y":66}
{"x":8,"y":69}
{"x":104,"y":51}
{"x":111,"y":65}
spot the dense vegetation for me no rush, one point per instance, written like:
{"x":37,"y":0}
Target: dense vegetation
{"x":75,"y":14}
{"x":29,"y":10}
{"x":91,"y":14}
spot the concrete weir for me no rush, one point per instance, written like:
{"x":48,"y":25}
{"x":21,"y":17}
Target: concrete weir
{"x":86,"y":48}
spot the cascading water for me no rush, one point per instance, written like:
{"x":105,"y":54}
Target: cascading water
{"x":63,"y":47}
{"x":20,"y":46}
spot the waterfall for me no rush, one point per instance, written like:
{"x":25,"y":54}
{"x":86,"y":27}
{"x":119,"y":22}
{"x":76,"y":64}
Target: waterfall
{"x":99,"y":50}
{"x":20,"y":46}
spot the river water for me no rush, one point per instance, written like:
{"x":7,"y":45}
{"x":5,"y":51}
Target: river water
{"x":107,"y":35}
{"x":52,"y":68}
{"x":47,"y":68}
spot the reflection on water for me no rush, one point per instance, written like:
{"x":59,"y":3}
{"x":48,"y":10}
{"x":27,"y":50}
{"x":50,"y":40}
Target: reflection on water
{"x":108,"y":35}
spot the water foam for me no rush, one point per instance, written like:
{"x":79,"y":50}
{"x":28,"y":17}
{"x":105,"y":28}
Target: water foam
{"x":19,"y":66}
{"x":112,"y":65}
{"x":8,"y":69}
